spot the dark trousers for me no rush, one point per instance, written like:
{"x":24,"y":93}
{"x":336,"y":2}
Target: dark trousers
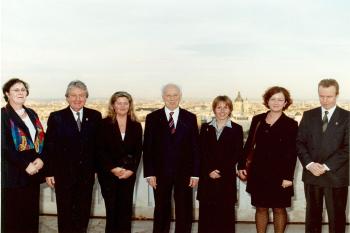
{"x":183,"y":205}
{"x":73,"y":207}
{"x":335,"y":199}
{"x":118,"y":197}
{"x":216,"y":217}
{"x":20,"y":209}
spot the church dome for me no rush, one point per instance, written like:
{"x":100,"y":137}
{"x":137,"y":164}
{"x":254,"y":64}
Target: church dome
{"x":239,"y":97}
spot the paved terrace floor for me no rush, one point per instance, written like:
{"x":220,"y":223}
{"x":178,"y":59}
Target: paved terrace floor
{"x":48,"y":224}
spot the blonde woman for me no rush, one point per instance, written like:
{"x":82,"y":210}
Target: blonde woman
{"x":120,"y":148}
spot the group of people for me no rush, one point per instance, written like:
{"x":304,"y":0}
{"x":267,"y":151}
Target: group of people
{"x":177,"y":157}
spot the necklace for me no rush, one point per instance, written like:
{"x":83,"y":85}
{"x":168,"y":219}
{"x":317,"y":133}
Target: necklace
{"x":21,"y":113}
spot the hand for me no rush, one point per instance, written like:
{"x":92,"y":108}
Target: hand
{"x":31,"y":169}
{"x":152,"y":181}
{"x":317,"y":169}
{"x":242,"y":174}
{"x":38,"y":163}
{"x":126,"y":174}
{"x":118,"y":171}
{"x":214,"y":174}
{"x":286,"y":183}
{"x":50,"y":181}
{"x":193,"y":182}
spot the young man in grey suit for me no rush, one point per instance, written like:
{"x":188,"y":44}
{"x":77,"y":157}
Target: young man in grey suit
{"x":171,"y":161}
{"x":323,"y":149}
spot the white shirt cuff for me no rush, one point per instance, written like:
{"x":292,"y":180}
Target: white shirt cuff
{"x":327,"y":168}
{"x":307,"y":166}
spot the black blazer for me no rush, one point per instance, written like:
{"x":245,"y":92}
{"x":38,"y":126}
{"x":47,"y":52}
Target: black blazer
{"x":330,"y":147}
{"x":13,"y":162}
{"x":167,"y":154}
{"x":274,"y":157}
{"x":69,"y":153}
{"x":222,"y":154}
{"x":113,"y":151}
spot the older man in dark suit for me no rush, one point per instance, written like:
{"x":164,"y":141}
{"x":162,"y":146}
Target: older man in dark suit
{"x":323,"y":149}
{"x":70,"y":150}
{"x":171,"y":161}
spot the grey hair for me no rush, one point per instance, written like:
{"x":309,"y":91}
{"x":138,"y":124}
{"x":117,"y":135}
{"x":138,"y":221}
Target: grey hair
{"x":171,"y":85}
{"x":77,"y":84}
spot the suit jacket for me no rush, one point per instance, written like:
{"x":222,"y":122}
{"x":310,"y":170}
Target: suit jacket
{"x":114,"y":152}
{"x":221,"y":154}
{"x":70,"y":154}
{"x":166,"y":154}
{"x":13,"y":162}
{"x":330,"y":147}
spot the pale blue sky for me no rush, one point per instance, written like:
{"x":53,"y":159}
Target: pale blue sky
{"x":208,"y":47}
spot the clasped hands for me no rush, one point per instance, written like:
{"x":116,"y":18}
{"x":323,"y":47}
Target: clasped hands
{"x":215,"y":174}
{"x":317,"y":169}
{"x":152,"y":181}
{"x":122,"y":173}
{"x":34,"y":166}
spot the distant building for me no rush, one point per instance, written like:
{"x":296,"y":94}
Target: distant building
{"x":240,"y":107}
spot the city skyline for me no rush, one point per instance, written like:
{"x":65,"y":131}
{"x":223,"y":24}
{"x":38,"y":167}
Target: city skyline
{"x":208,"y":47}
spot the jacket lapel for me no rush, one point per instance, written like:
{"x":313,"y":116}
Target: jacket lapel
{"x":70,"y":123}
{"x":333,"y":123}
{"x":181,"y":126}
{"x":317,"y":125}
{"x":164,"y":121}
{"x":118,"y":134}
{"x":18,"y":121}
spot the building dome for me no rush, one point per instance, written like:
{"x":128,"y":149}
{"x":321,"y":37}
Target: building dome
{"x":239,"y":97}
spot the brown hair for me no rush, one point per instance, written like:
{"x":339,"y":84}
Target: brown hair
{"x":225,"y":99}
{"x":274,"y":90}
{"x":6,"y":87}
{"x":114,"y":97}
{"x":328,"y":83}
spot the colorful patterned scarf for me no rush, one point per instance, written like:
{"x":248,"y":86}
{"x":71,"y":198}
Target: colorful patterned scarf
{"x":23,"y":142}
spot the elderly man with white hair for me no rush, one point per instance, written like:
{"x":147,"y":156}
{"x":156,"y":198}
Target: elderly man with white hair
{"x":171,"y":161}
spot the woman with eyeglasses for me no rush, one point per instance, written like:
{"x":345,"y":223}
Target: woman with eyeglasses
{"x":270,"y":180}
{"x":22,"y":138}
{"x":120,"y":148}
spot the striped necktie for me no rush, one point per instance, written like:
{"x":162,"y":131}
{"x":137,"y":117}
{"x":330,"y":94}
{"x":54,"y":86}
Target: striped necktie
{"x":325,"y":121}
{"x":171,"y":123}
{"x":78,"y":121}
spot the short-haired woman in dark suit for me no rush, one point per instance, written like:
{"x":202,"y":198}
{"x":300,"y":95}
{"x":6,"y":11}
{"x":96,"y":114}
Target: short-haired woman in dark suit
{"x":120,"y":148}
{"x":221,"y":143}
{"x":22,"y":138}
{"x":270,"y":181}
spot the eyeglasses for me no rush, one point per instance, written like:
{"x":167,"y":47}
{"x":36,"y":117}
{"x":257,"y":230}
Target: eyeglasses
{"x":83,"y":96}
{"x":18,"y":90}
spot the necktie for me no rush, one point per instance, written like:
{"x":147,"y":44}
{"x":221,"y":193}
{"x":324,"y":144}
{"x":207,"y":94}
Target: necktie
{"x":325,"y":121}
{"x":171,"y":123}
{"x":78,"y":121}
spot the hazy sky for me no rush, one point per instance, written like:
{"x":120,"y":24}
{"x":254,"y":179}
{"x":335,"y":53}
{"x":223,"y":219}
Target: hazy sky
{"x":209,"y":47}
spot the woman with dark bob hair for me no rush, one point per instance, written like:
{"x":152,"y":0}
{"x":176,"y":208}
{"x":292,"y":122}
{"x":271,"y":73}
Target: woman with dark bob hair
{"x":221,"y":144}
{"x":120,"y":148}
{"x":22,"y":138}
{"x":270,"y":180}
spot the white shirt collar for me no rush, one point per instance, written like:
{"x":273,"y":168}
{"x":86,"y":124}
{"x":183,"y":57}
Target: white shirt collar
{"x":167,"y":111}
{"x":75,"y":114}
{"x":330,"y":112}
{"x":215,"y":125}
{"x":175,"y":115}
